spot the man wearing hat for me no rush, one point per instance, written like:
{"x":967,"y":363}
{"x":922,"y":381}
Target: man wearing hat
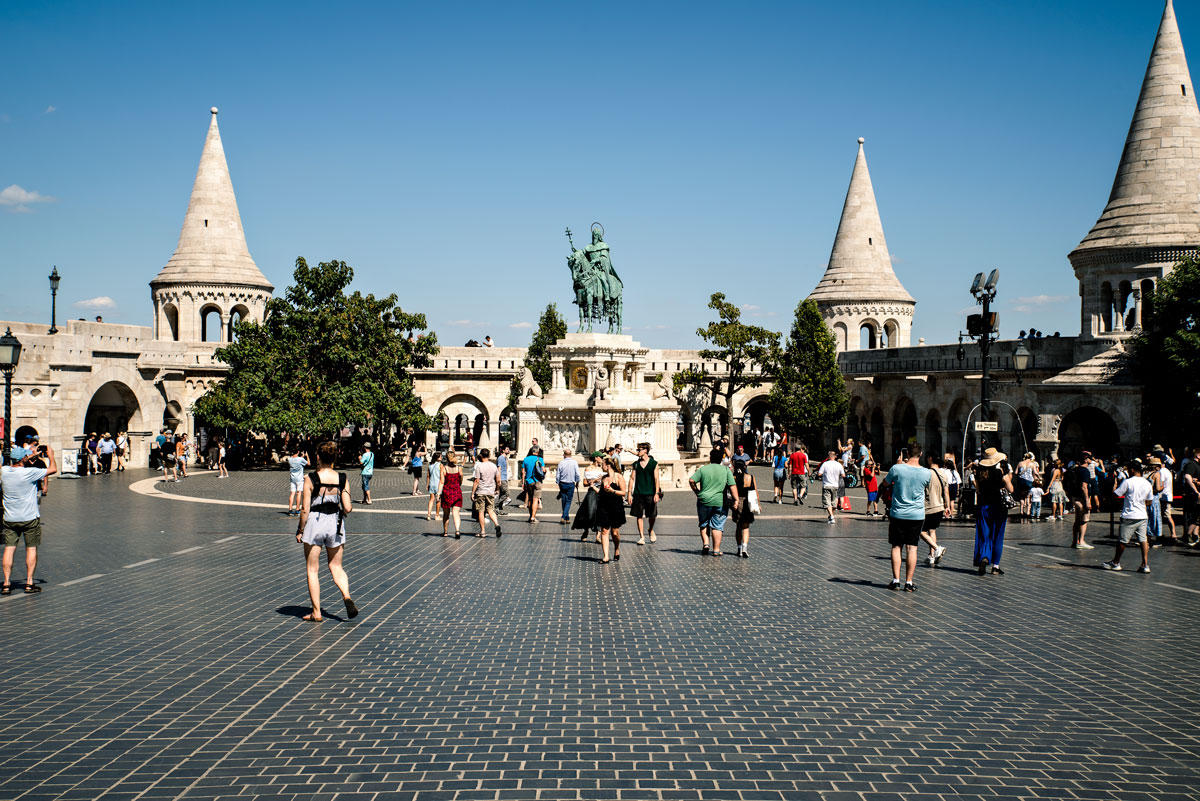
{"x":20,"y":481}
{"x":1136,"y":493}
{"x":105,"y":448}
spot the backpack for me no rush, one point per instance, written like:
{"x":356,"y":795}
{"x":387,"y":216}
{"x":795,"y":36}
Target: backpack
{"x":539,"y":470}
{"x":1077,"y":477}
{"x":318,"y":485}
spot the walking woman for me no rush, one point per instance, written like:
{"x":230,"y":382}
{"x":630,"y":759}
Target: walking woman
{"x":433,"y":487}
{"x":611,"y":509}
{"x":122,"y":450}
{"x":992,"y":474}
{"x":451,"y":494}
{"x":779,"y":474}
{"x":1027,"y":475}
{"x":416,"y":466}
{"x":589,"y":508}
{"x":742,"y":513}
{"x":323,"y":511}
{"x":1058,"y":497}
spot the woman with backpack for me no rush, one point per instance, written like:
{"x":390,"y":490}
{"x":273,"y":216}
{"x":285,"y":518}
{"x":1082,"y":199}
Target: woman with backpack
{"x":323,"y":511}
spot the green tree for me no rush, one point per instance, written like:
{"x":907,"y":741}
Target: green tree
{"x":740,"y":347}
{"x":1167,"y":355}
{"x":550,"y":329}
{"x":809,"y":395}
{"x":322,"y":359}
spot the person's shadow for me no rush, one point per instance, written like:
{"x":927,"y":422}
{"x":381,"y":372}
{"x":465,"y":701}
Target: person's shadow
{"x":857,"y":582}
{"x":299,"y":612}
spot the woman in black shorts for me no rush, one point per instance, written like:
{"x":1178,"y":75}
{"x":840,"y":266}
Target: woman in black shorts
{"x":610,"y":514}
{"x":742,"y":513}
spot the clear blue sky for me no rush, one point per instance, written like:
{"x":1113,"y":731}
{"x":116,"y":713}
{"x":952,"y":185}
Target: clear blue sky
{"x":441,"y":148}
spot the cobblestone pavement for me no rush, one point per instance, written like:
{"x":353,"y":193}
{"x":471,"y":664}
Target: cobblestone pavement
{"x":166,"y":659}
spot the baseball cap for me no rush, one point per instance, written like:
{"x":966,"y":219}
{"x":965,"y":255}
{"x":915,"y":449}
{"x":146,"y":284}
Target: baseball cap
{"x":17,"y":454}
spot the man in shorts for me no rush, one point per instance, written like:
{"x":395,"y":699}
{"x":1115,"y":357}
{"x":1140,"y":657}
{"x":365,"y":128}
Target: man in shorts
{"x":644,"y":493}
{"x":1078,"y":483}
{"x":709,"y":483}
{"x":502,"y":500}
{"x":798,"y":462}
{"x":906,"y":517}
{"x":533,"y":472}
{"x":1136,"y":493}
{"x":1189,"y":489}
{"x":296,"y":464}
{"x":832,"y":473}
{"x":366,"y":464}
{"x":486,"y":475}
{"x":20,"y":482}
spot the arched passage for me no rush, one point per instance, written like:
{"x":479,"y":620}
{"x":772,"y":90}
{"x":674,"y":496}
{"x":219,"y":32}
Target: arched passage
{"x":21,"y":433}
{"x":464,"y":414}
{"x":173,"y":416}
{"x":1088,"y":429}
{"x":1024,"y":431}
{"x":904,"y":425}
{"x":754,"y":418}
{"x":716,"y":421}
{"x":113,"y":408}
{"x":877,"y":433}
{"x":956,"y":427}
{"x":933,"y":433}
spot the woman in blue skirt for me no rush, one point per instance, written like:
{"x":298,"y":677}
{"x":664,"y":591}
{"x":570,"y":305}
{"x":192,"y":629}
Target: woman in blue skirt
{"x":992,"y":474}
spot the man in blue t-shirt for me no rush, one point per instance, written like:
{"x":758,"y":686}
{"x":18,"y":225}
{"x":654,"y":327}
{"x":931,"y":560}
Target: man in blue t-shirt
{"x":296,"y":464}
{"x":907,"y":514}
{"x":20,"y":484}
{"x":533,"y":471}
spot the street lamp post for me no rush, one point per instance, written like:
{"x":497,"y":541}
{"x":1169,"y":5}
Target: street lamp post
{"x":54,"y":279}
{"x":983,"y":328}
{"x":10,"y":354}
{"x":1021,"y":358}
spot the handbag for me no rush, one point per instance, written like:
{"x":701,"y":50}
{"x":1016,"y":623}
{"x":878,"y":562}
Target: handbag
{"x":1007,"y":499}
{"x":752,"y":501}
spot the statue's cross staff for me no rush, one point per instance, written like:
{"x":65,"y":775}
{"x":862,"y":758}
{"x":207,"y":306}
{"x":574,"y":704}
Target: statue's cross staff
{"x":570,"y":240}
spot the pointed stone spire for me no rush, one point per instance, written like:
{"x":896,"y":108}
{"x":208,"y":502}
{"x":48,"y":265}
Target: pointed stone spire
{"x":1155,"y":198}
{"x":860,"y":268}
{"x":212,"y":246}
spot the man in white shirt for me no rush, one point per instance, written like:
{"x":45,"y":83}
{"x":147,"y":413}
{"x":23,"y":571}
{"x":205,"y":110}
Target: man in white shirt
{"x":1137,"y":493}
{"x":21,"y":481}
{"x":1165,"y":495}
{"x":831,"y":472}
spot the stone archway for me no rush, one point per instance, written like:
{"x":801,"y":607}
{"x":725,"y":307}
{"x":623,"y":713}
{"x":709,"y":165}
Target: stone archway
{"x":113,"y":407}
{"x":1088,"y":428}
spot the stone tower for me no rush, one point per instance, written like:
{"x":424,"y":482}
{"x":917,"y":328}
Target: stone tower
{"x":859,"y":289}
{"x":1153,"y":214}
{"x":211,"y":278}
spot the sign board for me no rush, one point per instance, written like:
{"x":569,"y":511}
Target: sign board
{"x":983,"y":425}
{"x":70,"y":462}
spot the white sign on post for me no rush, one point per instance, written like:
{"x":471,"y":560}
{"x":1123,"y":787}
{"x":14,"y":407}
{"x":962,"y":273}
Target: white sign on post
{"x":984,"y":425}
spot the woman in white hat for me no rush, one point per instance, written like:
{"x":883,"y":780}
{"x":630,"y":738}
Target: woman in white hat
{"x":993,"y":474}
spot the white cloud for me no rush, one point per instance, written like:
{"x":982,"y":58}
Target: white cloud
{"x":1036,"y":302}
{"x":17,"y":200}
{"x":750,"y":308}
{"x":465,"y":323}
{"x":51,"y":109}
{"x":522,"y":325}
{"x":101,"y":302}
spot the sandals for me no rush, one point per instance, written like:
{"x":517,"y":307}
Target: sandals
{"x":6,"y":589}
{"x":32,"y":588}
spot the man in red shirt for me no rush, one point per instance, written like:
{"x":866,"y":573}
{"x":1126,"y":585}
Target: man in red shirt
{"x":799,"y":464}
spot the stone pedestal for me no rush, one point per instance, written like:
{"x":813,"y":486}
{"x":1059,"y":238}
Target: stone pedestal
{"x":598,"y":398}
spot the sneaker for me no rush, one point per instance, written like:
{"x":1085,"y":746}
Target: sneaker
{"x":895,"y":585}
{"x":937,"y":556}
{"x":1144,"y":569}
{"x":930,"y":561}
{"x":653,"y":537}
{"x":1110,"y":565}
{"x":829,"y":521}
{"x":1084,"y":546}
{"x":641,"y":541}
{"x":910,"y":587}
{"x":499,"y":532}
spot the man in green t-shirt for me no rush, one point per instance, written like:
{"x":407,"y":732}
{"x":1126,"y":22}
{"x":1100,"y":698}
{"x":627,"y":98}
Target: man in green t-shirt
{"x":709,"y":483}
{"x":644,"y":493}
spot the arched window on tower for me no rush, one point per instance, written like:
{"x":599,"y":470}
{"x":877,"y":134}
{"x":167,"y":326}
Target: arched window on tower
{"x":867,"y":339}
{"x":1147,"y":301}
{"x":1106,"y":307}
{"x":839,"y":335}
{"x":210,"y":324}
{"x":171,"y":315}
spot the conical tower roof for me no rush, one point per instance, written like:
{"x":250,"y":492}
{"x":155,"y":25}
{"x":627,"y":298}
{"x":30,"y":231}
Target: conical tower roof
{"x":1155,"y":198}
{"x":860,"y":268}
{"x":212,"y":246}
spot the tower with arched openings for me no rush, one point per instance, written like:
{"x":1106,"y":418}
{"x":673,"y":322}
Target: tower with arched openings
{"x":860,"y":297}
{"x":211,"y":282}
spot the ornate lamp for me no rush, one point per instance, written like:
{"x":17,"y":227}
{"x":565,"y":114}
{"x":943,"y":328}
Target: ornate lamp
{"x":10,"y":354}
{"x":1021,"y":358}
{"x":54,"y":279}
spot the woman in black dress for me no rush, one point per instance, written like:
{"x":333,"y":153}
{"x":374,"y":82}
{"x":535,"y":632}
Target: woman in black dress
{"x":589,"y":507}
{"x":741,"y":511}
{"x":611,"y":510}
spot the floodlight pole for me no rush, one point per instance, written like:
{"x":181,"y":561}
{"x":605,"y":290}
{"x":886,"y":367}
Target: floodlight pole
{"x":985,"y":347}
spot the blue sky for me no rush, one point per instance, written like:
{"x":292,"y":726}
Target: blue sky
{"x":441,"y":148}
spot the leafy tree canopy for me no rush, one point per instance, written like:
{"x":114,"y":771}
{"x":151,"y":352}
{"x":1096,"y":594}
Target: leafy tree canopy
{"x":322,"y":359}
{"x":809,"y":394}
{"x":1167,"y":355}
{"x":550,"y":329}
{"x":740,"y":347}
